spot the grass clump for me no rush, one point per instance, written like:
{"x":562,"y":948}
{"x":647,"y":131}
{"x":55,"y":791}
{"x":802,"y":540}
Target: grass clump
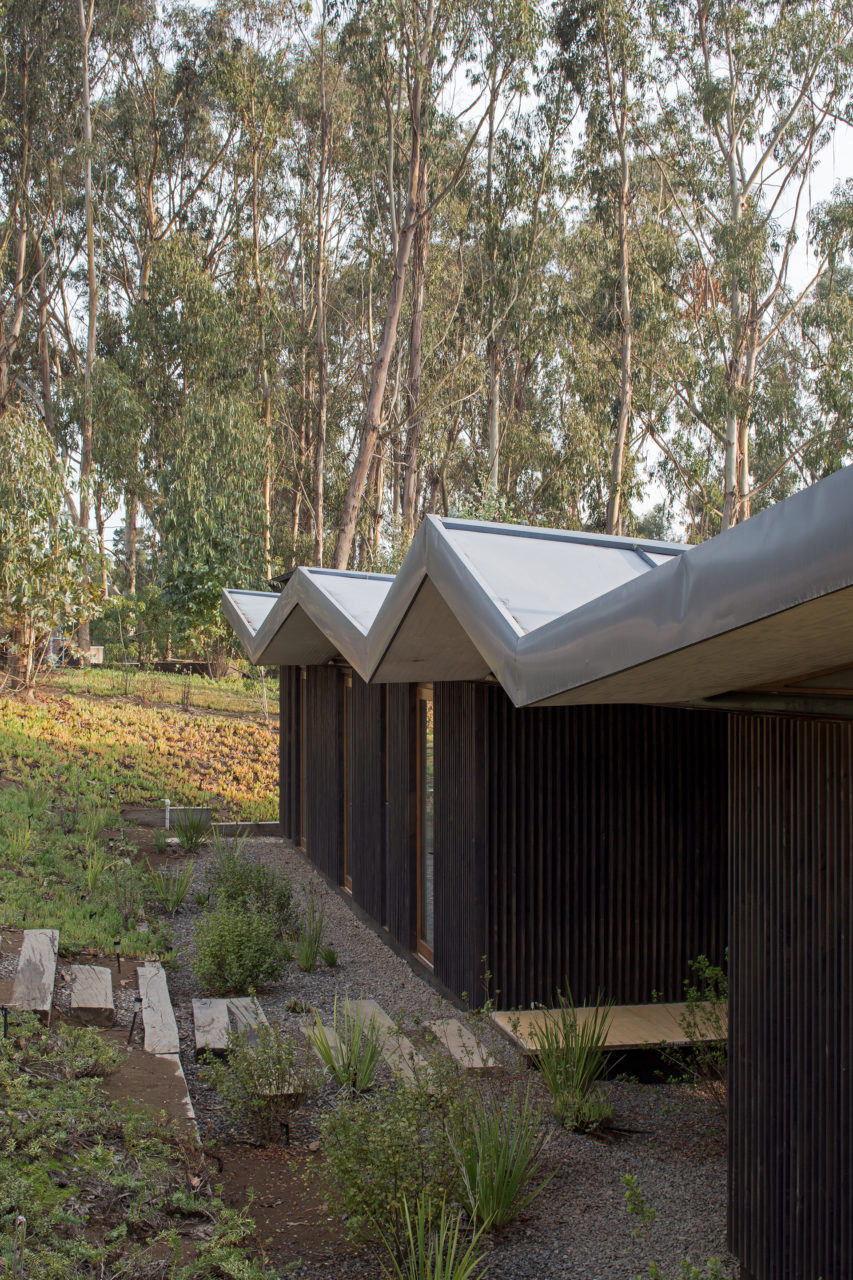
{"x":569,"y":1053}
{"x":434,"y":1246}
{"x":309,"y":937}
{"x":499,"y":1156}
{"x":171,"y":885}
{"x":351,"y":1053}
{"x":192,"y":827}
{"x":263,"y":1078}
{"x":238,"y":949}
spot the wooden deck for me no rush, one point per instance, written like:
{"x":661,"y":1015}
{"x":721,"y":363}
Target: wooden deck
{"x":632,"y":1026}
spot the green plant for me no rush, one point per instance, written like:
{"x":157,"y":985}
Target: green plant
{"x":161,"y":839}
{"x":434,"y":1246}
{"x":569,"y":1053}
{"x":352,"y":1050}
{"x":171,"y":885}
{"x":19,"y":836}
{"x":264,"y":1077}
{"x":638,"y":1206}
{"x":127,"y":893}
{"x":645,"y":1216}
{"x":236,"y":882}
{"x":238,"y":948}
{"x":705,"y":1023}
{"x":309,"y":937}
{"x":97,"y":863}
{"x":38,"y":800}
{"x":192,"y":827}
{"x":499,"y":1154}
{"x":329,"y":956}
{"x":390,"y":1147}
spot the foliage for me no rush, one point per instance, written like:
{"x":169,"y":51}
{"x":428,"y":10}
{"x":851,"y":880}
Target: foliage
{"x":435,"y":1247}
{"x":705,"y":1023}
{"x":140,"y":754}
{"x":350,"y":1050}
{"x":309,"y":937}
{"x":499,"y":1153}
{"x":103,"y":1188}
{"x":569,"y":1052}
{"x":329,"y":956}
{"x":246,"y":885}
{"x":265,"y":1076}
{"x":192,"y":827}
{"x":46,"y":562}
{"x":391,"y":1147}
{"x":171,"y":884}
{"x":238,"y":949}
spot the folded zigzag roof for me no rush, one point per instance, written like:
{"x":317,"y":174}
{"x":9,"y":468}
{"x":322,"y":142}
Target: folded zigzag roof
{"x":565,"y":617}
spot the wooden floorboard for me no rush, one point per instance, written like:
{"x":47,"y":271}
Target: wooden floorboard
{"x":632,"y":1026}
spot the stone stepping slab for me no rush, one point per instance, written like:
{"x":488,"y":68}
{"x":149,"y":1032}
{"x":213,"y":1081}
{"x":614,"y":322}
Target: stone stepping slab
{"x":36,"y":973}
{"x":158,"y":1018}
{"x":210,"y":1026}
{"x":462,"y":1045}
{"x":400,"y":1054}
{"x":246,"y":1014}
{"x":92,"y":995}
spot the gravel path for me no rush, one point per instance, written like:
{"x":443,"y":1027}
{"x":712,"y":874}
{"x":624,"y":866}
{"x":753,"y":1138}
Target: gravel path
{"x":671,"y":1140}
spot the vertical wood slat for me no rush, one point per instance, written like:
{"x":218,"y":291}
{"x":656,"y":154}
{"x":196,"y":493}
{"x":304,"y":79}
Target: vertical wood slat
{"x":324,"y":758}
{"x":605,"y":848}
{"x":401,"y":816}
{"x":791,"y":1113}
{"x":367,"y":797}
{"x":289,"y":751}
{"x":459,"y":830}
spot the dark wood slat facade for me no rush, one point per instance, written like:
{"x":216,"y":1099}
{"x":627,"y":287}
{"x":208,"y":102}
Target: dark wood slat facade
{"x":366,"y":797}
{"x":791,"y":963}
{"x":586,"y":843}
{"x":323,"y":788}
{"x":290,"y":752}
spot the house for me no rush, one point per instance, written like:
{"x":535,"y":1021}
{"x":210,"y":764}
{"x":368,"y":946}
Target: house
{"x":535,"y":755}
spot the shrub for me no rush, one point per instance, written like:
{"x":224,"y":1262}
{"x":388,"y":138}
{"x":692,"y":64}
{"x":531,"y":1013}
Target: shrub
{"x":498,"y":1153}
{"x":238,"y":883}
{"x":309,"y":937}
{"x":263,"y":1078}
{"x":329,"y":956}
{"x":434,"y":1247}
{"x":352,"y":1051}
{"x":238,"y":948}
{"x":389,"y":1148}
{"x":570,"y":1057}
{"x":127,"y":895}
